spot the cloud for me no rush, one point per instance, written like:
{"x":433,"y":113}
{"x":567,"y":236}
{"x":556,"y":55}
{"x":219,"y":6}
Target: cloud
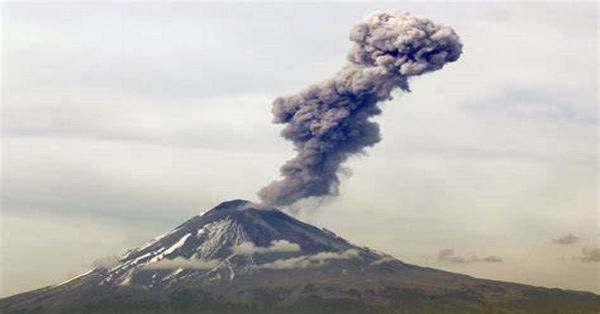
{"x":180,"y":262}
{"x":447,"y":255}
{"x":106,"y":262}
{"x":248,"y":248}
{"x":531,"y":102}
{"x":566,"y":239}
{"x":383,"y":260}
{"x":589,"y":255}
{"x":306,"y":261}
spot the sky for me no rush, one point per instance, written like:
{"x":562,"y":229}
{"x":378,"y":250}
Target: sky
{"x":120,"y":121}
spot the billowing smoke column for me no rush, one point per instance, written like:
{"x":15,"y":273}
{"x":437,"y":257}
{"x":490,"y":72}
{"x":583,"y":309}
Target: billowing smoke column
{"x":329,"y":121}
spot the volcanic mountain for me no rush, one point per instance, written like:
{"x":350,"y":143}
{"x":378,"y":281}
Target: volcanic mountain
{"x":241,"y":258}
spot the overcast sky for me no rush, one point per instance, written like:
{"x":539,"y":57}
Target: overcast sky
{"x":120,"y":121}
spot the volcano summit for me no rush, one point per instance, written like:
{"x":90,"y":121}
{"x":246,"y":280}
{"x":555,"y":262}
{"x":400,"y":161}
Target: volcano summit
{"x":241,"y":258}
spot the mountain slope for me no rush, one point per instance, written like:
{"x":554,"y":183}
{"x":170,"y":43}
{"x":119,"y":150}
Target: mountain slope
{"x":240,"y":258}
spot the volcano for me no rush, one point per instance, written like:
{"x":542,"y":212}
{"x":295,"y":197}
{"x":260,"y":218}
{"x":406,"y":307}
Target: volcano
{"x":242,"y":258}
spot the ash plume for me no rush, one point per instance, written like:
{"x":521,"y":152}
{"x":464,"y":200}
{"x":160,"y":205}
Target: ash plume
{"x":329,"y":121}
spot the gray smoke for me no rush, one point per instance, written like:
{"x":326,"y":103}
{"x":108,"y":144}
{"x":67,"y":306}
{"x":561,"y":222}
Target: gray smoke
{"x":566,"y":239}
{"x":329,"y":121}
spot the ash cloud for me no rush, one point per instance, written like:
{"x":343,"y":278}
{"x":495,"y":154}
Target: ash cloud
{"x":566,"y":239}
{"x":447,"y":255}
{"x":330,"y":121}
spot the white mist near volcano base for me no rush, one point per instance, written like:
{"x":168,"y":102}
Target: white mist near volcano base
{"x":329,"y":121}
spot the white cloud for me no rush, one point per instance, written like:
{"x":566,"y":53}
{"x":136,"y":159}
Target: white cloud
{"x":383,"y":260}
{"x":180,"y":262}
{"x":249,"y":248}
{"x":305,"y":261}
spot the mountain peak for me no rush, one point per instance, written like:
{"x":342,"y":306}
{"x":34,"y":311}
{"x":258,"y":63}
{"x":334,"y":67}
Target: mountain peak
{"x":235,"y":237}
{"x":237,"y":204}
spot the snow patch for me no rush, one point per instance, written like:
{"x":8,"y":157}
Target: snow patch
{"x":218,"y":233}
{"x":74,"y":278}
{"x":231,"y":271}
{"x":171,"y":249}
{"x":153,"y":241}
{"x":127,"y":280}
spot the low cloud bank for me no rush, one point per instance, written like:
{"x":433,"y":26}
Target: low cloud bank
{"x":306,"y":261}
{"x":589,"y":255}
{"x":566,"y":239}
{"x":249,"y":248}
{"x":383,"y":260}
{"x":447,"y":255}
{"x":184,"y":263}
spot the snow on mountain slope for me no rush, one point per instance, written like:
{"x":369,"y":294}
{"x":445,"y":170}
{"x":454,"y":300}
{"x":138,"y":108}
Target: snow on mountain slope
{"x":234,"y":237}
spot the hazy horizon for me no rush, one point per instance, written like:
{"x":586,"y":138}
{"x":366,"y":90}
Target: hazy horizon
{"x":120,"y":121}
